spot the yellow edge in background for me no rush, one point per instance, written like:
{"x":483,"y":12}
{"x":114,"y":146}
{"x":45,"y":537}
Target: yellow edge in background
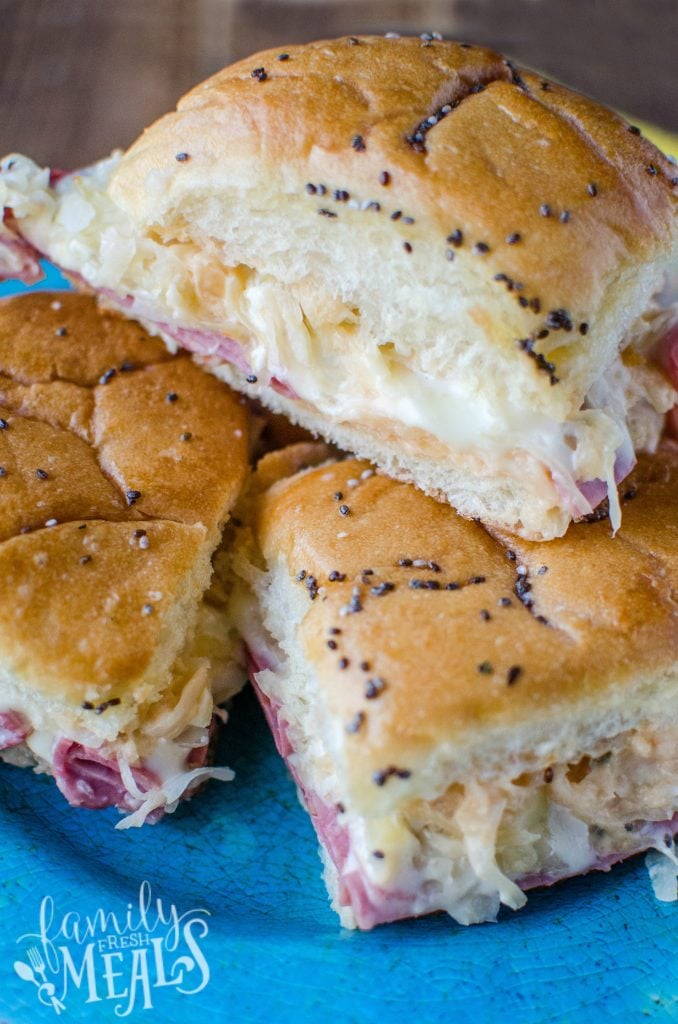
{"x":663,"y":140}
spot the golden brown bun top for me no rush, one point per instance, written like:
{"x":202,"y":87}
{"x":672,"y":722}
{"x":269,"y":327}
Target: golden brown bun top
{"x":107,"y":516}
{"x":514,"y":155}
{"x":495,"y":637}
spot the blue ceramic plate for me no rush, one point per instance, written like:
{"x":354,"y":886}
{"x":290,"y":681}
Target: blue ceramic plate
{"x":220,"y":911}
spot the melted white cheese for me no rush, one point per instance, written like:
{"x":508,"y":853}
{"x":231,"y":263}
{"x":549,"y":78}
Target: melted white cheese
{"x":82,"y":230}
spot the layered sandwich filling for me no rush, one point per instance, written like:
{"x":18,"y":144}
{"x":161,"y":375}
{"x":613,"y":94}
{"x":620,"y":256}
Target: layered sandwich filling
{"x":304,"y":351}
{"x":157,"y":759}
{"x":481,"y":843}
{"x":471,"y":843}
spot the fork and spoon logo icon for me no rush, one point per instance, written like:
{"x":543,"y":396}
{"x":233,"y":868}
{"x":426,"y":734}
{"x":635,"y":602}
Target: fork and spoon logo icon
{"x":33,"y":971}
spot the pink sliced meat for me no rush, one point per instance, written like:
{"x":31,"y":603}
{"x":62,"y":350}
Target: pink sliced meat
{"x":204,"y":343}
{"x":207,"y":343}
{"x":210,"y":344}
{"x":668,"y":357}
{"x":271,"y":712}
{"x":197,"y":756}
{"x":88,"y":779}
{"x":653,"y":833}
{"x":56,"y":174}
{"x":596,"y":490}
{"x":14,"y":729}
{"x":371,"y":904}
{"x":18,"y":258}
{"x":218,"y":346}
{"x":668,"y":353}
{"x":283,"y":389}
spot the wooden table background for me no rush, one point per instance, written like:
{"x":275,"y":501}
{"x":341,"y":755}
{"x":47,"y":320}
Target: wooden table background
{"x":80,"y":77}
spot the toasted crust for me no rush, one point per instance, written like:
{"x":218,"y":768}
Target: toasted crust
{"x":138,"y":427}
{"x":473,"y":247}
{"x":60,"y":336}
{"x":487,"y":169}
{"x":433,"y":259}
{"x":97,"y":629}
{"x":100,"y":585}
{"x":516,"y":667}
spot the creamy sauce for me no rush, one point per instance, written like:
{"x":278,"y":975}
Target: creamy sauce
{"x":308,"y":341}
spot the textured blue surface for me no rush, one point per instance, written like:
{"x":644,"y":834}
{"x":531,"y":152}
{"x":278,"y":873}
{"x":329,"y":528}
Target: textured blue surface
{"x":594,"y":948}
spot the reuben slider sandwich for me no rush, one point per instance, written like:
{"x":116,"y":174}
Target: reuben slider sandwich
{"x":466,"y":715}
{"x":433,"y":259}
{"x":119,"y":465}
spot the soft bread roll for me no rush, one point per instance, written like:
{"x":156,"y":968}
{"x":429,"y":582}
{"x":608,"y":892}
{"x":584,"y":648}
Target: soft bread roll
{"x":466,"y":715}
{"x":119,"y":466}
{"x":411,"y":247}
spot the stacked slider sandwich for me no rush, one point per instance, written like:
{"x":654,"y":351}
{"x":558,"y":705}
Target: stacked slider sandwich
{"x":119,"y":465}
{"x":439,"y":261}
{"x":455,"y":269}
{"x":467,"y":714}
